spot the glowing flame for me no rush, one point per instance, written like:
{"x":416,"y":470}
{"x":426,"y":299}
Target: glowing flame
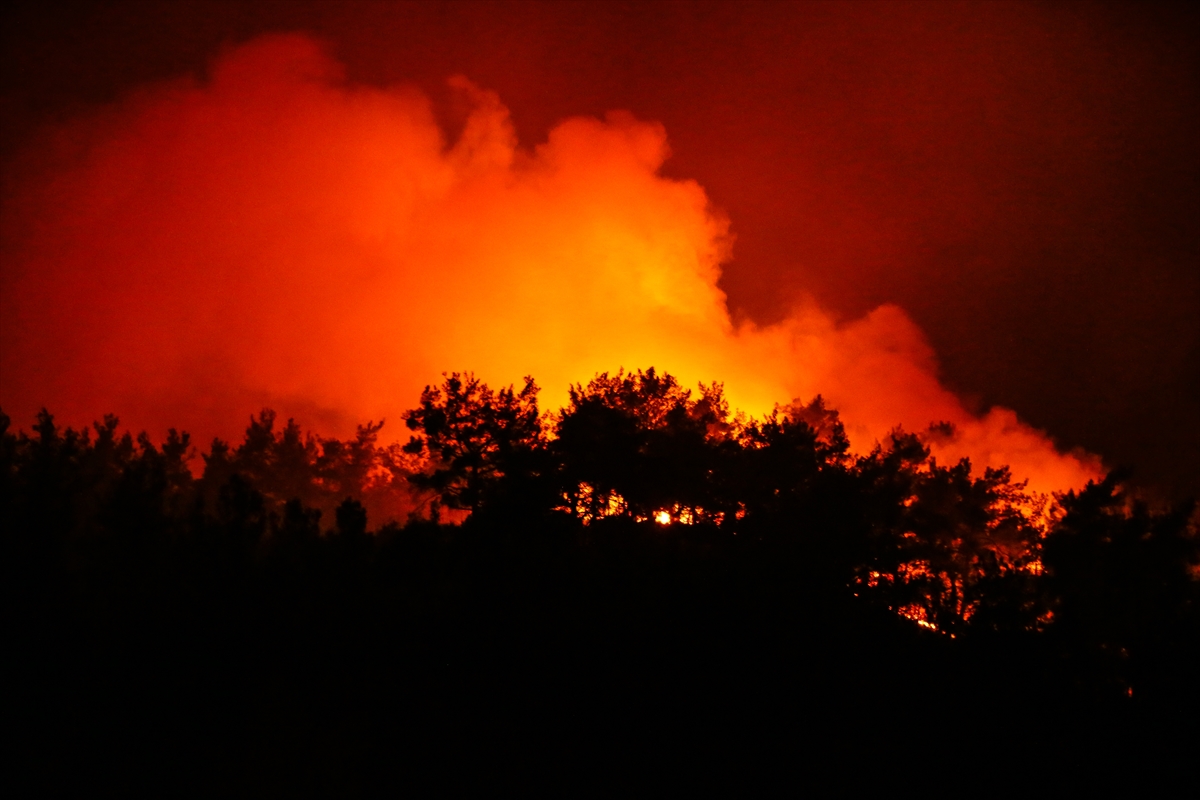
{"x":588,"y":505}
{"x":662,"y":517}
{"x":273,"y":237}
{"x":916,"y":614}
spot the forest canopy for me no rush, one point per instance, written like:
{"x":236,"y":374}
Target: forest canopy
{"x":939,"y":543}
{"x":640,"y":497}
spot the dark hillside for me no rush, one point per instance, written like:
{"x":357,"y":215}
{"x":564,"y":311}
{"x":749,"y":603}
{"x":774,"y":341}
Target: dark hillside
{"x":640,"y":571}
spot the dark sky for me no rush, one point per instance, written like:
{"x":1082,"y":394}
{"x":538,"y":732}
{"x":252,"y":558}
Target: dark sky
{"x":1023,"y":179}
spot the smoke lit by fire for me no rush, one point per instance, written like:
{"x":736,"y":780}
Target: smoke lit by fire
{"x":275,"y":237}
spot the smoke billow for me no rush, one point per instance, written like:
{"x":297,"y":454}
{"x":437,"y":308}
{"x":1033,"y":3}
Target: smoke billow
{"x":275,"y":237}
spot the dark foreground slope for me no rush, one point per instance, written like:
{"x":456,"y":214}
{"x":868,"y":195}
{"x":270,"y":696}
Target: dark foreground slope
{"x":341,"y":661}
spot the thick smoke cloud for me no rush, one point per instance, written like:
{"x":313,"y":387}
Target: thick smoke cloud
{"x":274,"y":237}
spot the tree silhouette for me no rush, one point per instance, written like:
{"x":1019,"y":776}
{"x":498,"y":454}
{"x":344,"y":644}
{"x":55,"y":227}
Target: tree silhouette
{"x":637,"y":445}
{"x":351,"y":519}
{"x":289,"y":464}
{"x":298,"y":585}
{"x":1122,"y":583}
{"x":946,"y":546}
{"x":471,"y":438}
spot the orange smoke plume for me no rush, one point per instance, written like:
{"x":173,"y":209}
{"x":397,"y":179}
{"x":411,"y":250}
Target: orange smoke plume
{"x":275,"y":237}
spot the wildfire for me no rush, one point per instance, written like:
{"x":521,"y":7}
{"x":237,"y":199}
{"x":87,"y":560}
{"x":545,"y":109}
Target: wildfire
{"x":274,"y":237}
{"x":916,"y":614}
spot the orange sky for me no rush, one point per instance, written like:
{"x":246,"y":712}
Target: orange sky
{"x":276,"y":235}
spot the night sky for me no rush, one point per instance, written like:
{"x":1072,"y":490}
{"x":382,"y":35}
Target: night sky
{"x":1022,"y":179}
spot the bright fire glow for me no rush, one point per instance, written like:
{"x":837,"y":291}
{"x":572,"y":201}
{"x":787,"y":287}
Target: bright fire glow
{"x":918,"y":615}
{"x":274,"y":237}
{"x":662,"y":517}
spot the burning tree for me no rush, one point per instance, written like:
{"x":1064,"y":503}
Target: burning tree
{"x":947,"y":546}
